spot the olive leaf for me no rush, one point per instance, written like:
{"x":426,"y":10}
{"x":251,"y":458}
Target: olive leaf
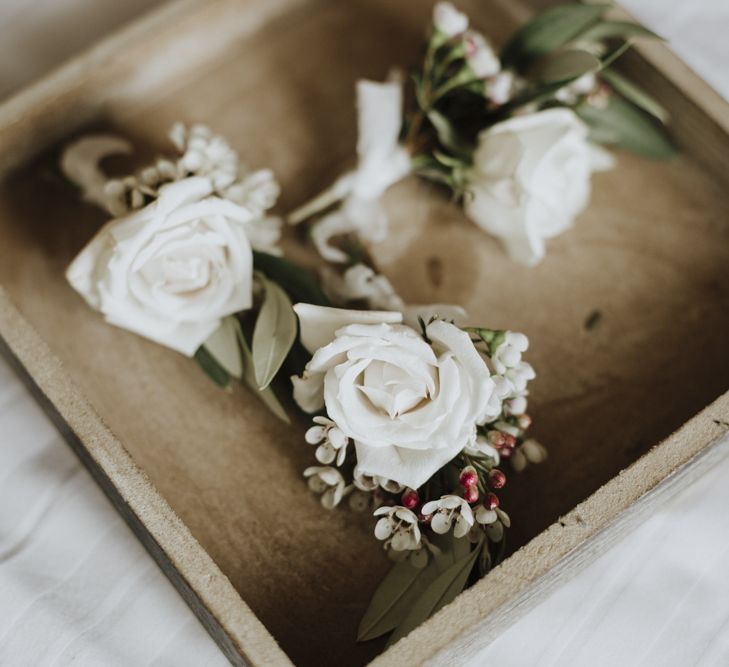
{"x":299,"y":283}
{"x":616,"y":29}
{"x":566,"y":66}
{"x":212,"y":368}
{"x":442,"y":590}
{"x":635,"y":94}
{"x":623,"y":124}
{"x":249,"y":377}
{"x":549,"y":31}
{"x":274,"y":333}
{"x":405,"y":584}
{"x":224,"y":348}
{"x":393,"y":598}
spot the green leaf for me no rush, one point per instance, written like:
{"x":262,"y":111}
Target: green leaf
{"x":224,"y":348}
{"x":634,"y":94}
{"x":566,"y":66}
{"x":447,"y":134}
{"x":212,"y":368}
{"x":616,"y":29}
{"x":274,"y":333}
{"x":299,"y":283}
{"x":624,"y":125}
{"x":443,"y":589}
{"x":549,"y":31}
{"x":391,"y":600}
{"x":249,"y":376}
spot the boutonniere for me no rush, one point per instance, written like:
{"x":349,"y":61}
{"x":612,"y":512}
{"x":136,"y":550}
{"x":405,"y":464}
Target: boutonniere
{"x":413,"y":416}
{"x":190,"y":257}
{"x":513,"y":135}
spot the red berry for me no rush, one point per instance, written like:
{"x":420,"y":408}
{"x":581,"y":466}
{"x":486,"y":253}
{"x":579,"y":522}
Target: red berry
{"x":497,"y":479}
{"x":468,"y":477}
{"x":509,"y":442}
{"x":470,"y":494}
{"x":491,"y":501}
{"x":410,"y":499}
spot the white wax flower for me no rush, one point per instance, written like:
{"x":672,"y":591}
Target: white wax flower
{"x":399,"y":526}
{"x":331,"y":442}
{"x":409,"y":406}
{"x":382,"y":162}
{"x":448,"y":20}
{"x":172,"y":270}
{"x":447,"y":511}
{"x":531,"y":178}
{"x":329,"y":483}
{"x":508,"y":353}
{"x":480,"y":55}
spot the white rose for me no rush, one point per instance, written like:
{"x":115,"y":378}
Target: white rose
{"x":173,"y":269}
{"x":448,"y":20}
{"x":409,"y":407}
{"x":531,"y":178}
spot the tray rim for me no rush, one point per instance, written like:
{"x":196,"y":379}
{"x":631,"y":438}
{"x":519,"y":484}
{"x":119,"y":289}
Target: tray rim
{"x":524,"y":578}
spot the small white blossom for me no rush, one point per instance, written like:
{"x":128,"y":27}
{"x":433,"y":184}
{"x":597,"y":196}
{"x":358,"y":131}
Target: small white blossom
{"x":480,"y":56}
{"x":508,"y":353}
{"x":329,"y":483}
{"x":517,"y":406}
{"x":500,"y":88}
{"x":485,"y":516}
{"x":519,"y":376}
{"x":446,"y":511}
{"x":584,"y":85}
{"x":482,"y":447}
{"x":398,"y":527}
{"x":257,"y":191}
{"x":205,"y":154}
{"x":448,"y":20}
{"x":332,"y":443}
{"x":366,"y":482}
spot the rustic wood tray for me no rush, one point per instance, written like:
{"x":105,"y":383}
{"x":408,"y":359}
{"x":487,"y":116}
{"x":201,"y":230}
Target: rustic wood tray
{"x":210,"y":484}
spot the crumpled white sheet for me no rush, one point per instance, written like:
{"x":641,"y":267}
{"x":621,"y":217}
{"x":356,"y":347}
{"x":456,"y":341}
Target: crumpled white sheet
{"x":76,"y":587}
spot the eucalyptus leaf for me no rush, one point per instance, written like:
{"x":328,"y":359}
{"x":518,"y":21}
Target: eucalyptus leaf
{"x":635,"y":94}
{"x":549,"y":31}
{"x":297,"y":282}
{"x":442,"y":590}
{"x":212,"y":368}
{"x":616,"y":29}
{"x":224,"y":348}
{"x":622,"y":124}
{"x":273,"y":335}
{"x":249,"y":376}
{"x":566,"y":66}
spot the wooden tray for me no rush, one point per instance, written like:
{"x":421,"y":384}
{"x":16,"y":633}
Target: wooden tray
{"x":210,"y":484}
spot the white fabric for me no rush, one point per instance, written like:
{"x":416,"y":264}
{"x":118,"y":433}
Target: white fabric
{"x":77,"y":588}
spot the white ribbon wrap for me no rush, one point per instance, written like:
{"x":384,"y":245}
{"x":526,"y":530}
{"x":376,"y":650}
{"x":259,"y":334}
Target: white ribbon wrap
{"x":382,"y":162}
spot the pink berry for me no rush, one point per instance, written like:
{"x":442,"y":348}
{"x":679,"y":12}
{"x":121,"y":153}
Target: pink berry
{"x":470,"y":494}
{"x":525,"y":421}
{"x":491,"y":501}
{"x":468,"y":477}
{"x":410,"y":499}
{"x":509,"y":442}
{"x":497,"y":479}
{"x":496,"y":438}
